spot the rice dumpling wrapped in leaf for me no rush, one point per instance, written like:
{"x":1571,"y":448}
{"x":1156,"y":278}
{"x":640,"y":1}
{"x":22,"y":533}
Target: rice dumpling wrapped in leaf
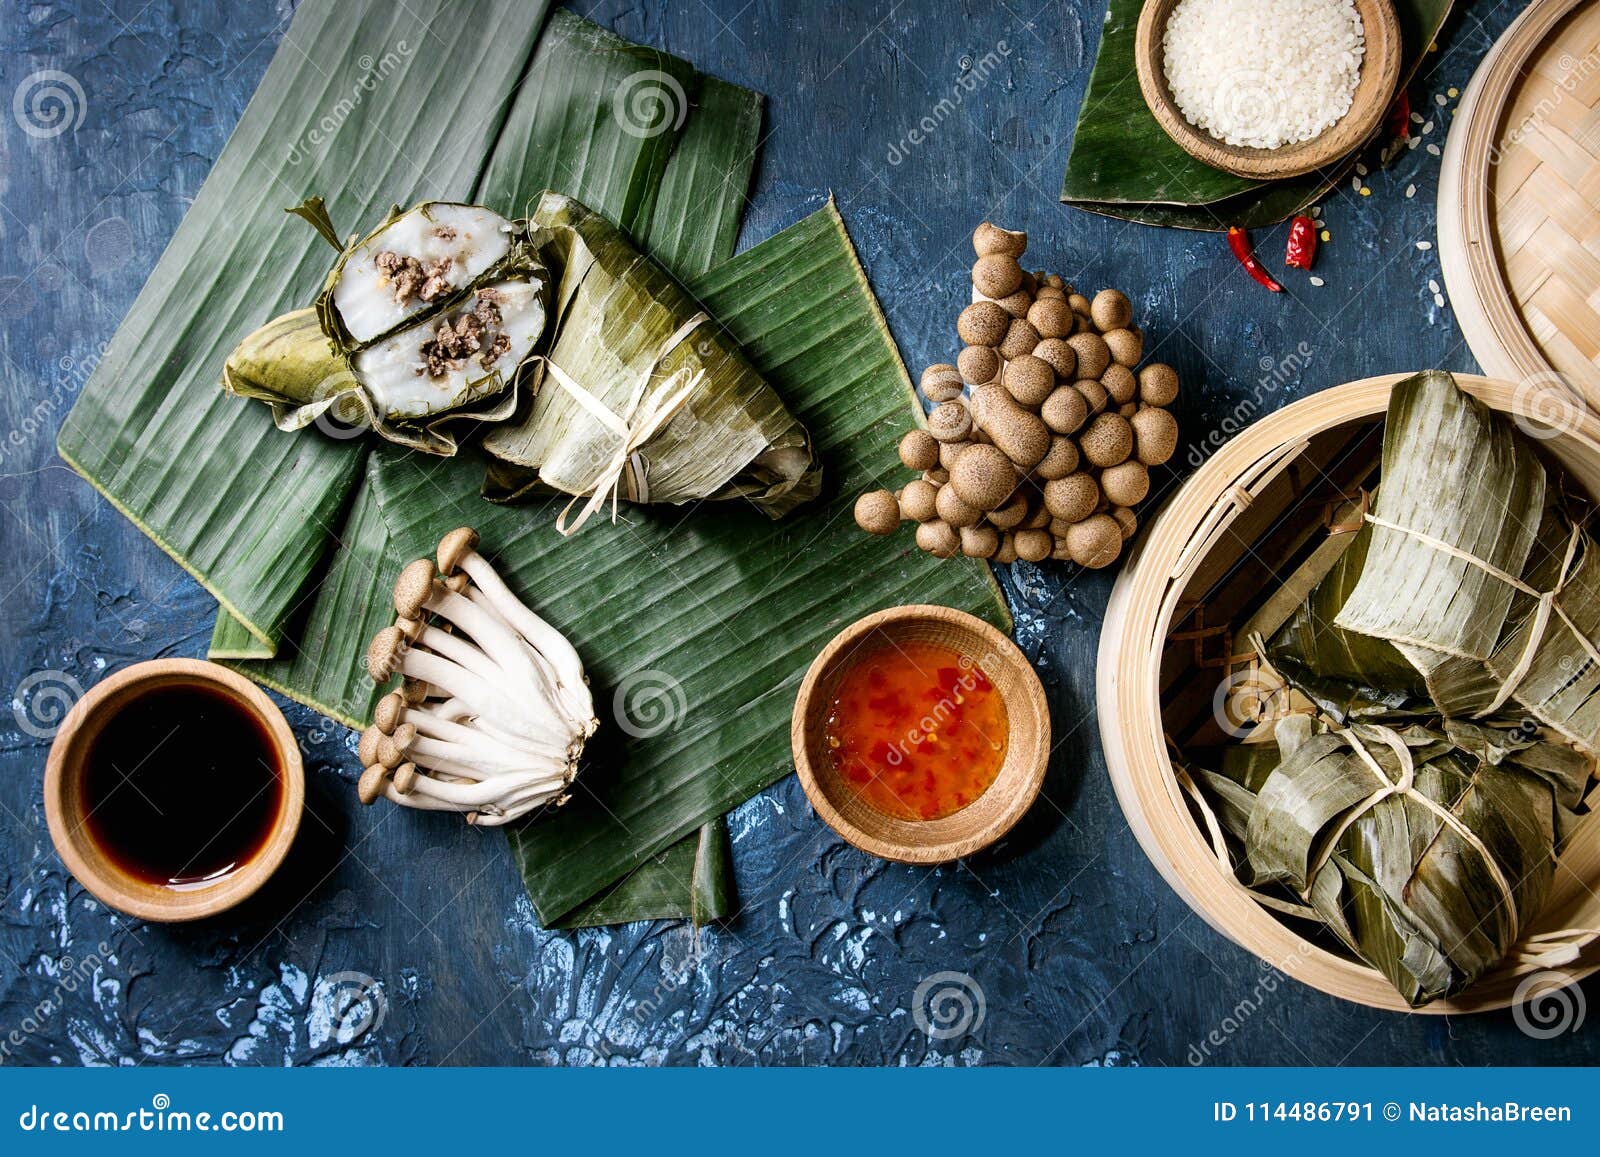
{"x":1427,"y":849}
{"x":425,"y":321}
{"x":1469,"y":590}
{"x":643,"y":396}
{"x":1448,"y":650}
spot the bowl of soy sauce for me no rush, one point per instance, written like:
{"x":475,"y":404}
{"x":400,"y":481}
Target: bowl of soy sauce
{"x":174,"y":789}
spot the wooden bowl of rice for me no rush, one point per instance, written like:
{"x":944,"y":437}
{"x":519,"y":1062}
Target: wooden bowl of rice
{"x":1248,"y":97}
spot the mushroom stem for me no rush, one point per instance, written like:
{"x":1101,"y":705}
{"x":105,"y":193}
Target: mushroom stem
{"x":532,"y":720}
{"x":502,"y":747}
{"x":477,"y":795}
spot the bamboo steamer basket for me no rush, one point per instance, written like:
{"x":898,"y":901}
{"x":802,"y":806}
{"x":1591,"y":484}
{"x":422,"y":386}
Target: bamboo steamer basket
{"x":1215,"y":523}
{"x":1517,"y":226}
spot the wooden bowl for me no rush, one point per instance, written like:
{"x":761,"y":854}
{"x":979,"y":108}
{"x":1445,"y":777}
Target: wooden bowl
{"x":975,"y":826}
{"x":1380,"y":75}
{"x":1250,"y":491}
{"x":64,"y":803}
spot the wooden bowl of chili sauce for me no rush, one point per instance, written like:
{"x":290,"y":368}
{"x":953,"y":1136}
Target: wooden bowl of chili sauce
{"x":921,"y":734}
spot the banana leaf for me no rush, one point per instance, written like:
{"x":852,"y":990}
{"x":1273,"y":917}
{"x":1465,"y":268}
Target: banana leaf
{"x":1461,"y":483}
{"x":720,"y":615}
{"x":1347,"y":675}
{"x":1411,"y":893}
{"x":1124,"y":165}
{"x":799,"y":304}
{"x":249,"y":512}
{"x":630,"y":338}
{"x":281,"y":529}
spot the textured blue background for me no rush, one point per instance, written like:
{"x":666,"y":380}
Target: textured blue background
{"x":1084,"y":956}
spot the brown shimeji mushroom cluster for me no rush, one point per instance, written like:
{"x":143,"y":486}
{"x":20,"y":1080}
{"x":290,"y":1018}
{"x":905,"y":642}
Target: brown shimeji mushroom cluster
{"x":493,"y":709}
{"x":1048,"y":451}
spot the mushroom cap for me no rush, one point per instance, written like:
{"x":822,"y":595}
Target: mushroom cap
{"x":388,"y":713}
{"x":1158,"y":384}
{"x":383,"y":654}
{"x":989,"y":238}
{"x":1033,"y":545}
{"x":941,"y":382}
{"x":367,"y":745}
{"x":410,"y":628}
{"x":1126,"y":483}
{"x":877,"y":512}
{"x":455,"y":546}
{"x":1095,"y":542}
{"x":978,"y":364}
{"x":413,"y":691}
{"x":402,"y":737}
{"x":1155,"y":435}
{"x":917,"y":500}
{"x":413,"y":588}
{"x":1110,"y":310}
{"x":405,"y":778}
{"x":919,"y":450}
{"x":370,"y":786}
{"x":983,"y":323}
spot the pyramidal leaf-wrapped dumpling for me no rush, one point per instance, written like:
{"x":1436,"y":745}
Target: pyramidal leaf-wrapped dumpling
{"x":423,"y":322}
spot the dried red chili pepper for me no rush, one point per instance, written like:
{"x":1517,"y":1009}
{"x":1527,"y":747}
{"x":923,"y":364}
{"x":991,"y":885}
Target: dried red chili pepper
{"x":1302,"y":243}
{"x":1399,"y":125}
{"x":1239,"y":242}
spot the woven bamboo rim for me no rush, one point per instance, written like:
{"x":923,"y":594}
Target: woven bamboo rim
{"x":1495,"y":191}
{"x":1134,"y":638}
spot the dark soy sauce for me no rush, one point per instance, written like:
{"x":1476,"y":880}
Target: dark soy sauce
{"x":182,"y":786}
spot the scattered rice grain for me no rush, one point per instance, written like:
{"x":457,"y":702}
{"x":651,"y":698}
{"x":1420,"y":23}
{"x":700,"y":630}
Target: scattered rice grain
{"x":1433,"y":150}
{"x":1318,"y":282}
{"x":1424,"y":245}
{"x":1411,"y":191}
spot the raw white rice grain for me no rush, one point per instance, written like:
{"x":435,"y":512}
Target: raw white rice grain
{"x":1264,"y":73}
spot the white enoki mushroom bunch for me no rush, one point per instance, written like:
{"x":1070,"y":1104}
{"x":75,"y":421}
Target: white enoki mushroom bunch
{"x":493,"y":709}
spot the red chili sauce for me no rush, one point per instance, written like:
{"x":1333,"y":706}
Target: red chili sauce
{"x":917,"y":730}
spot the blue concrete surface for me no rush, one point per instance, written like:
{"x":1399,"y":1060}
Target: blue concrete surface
{"x":403,"y":942}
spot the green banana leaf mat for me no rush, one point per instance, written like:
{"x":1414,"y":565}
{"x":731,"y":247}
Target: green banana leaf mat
{"x":1124,"y":165}
{"x":696,"y":625}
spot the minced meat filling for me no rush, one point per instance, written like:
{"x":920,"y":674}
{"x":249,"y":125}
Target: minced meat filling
{"x":411,"y":278}
{"x":474,"y":332}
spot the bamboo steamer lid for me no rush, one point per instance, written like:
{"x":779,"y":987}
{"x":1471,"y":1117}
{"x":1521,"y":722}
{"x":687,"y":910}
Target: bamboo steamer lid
{"x":1519,"y":237}
{"x":1177,"y":544}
